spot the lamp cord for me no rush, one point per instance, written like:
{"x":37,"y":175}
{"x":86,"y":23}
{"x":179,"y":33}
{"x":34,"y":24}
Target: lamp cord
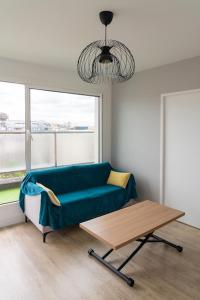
{"x":105,"y":35}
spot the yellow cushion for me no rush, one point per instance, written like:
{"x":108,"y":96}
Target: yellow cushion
{"x":118,"y":178}
{"x":51,"y":194}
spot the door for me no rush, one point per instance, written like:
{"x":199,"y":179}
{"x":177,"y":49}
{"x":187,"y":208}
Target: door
{"x":181,"y":154}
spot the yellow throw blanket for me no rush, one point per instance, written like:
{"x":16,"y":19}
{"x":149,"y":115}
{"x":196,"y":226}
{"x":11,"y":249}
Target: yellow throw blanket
{"x":51,"y":194}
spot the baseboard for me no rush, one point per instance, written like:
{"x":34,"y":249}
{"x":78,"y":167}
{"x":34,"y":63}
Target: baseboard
{"x":10,"y":214}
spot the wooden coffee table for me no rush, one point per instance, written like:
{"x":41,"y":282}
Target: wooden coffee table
{"x":134,"y":223}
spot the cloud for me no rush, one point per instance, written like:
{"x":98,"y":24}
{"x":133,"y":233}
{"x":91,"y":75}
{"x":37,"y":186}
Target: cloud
{"x":47,"y":106}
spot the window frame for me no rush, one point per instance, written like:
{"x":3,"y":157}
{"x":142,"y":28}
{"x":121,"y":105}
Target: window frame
{"x":28,"y":87}
{"x":99,"y":119}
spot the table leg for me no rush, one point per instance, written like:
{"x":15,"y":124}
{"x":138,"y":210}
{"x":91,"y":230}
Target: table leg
{"x":142,"y":241}
{"x":161,"y":240}
{"x":157,"y":239}
{"x":117,"y":271}
{"x":128,"y":280}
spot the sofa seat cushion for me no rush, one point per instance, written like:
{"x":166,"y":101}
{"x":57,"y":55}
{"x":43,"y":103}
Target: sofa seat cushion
{"x":90,"y":193}
{"x":80,"y":206}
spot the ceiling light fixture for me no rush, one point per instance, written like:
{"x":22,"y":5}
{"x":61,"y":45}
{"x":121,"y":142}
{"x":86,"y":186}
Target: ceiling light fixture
{"x":105,"y":59}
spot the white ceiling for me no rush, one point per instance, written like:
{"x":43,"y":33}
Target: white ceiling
{"x":53,"y":32}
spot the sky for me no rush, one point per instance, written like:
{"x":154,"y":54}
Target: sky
{"x":47,"y":106}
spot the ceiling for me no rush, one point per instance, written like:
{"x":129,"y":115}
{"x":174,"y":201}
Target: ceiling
{"x":53,"y":32}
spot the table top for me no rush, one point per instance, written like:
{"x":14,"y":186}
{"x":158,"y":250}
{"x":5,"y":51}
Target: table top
{"x":119,"y":228}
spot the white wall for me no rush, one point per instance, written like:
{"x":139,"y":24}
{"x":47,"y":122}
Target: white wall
{"x":52,"y":78}
{"x":136,"y":120}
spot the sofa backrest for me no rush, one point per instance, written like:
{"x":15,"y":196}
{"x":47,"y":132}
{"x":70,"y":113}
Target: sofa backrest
{"x":71,"y":178}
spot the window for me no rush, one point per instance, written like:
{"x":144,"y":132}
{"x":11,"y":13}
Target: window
{"x":12,"y":127}
{"x":12,"y":140}
{"x":63,"y":127}
{"x":59,"y":129}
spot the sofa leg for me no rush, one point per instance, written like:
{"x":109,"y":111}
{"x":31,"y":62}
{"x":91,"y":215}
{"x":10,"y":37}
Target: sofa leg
{"x":26,"y":219}
{"x":45,"y":235}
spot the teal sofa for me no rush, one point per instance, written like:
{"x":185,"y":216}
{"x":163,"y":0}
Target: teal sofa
{"x":82,"y":191}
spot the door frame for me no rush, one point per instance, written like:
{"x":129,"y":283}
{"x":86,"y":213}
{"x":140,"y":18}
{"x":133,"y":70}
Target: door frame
{"x":162,"y":136}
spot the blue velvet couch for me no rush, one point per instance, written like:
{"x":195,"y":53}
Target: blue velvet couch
{"x":82,"y":190}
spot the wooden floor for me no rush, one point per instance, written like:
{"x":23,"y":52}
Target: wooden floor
{"x":61,"y":268}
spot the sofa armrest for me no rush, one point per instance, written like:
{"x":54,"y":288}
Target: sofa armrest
{"x":32,"y":211}
{"x":131,"y":188}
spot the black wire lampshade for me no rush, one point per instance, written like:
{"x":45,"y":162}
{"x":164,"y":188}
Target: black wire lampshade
{"x":106,"y":59}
